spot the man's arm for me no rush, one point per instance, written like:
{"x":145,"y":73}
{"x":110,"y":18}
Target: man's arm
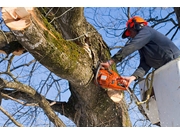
{"x":142,"y":69}
{"x":140,"y":40}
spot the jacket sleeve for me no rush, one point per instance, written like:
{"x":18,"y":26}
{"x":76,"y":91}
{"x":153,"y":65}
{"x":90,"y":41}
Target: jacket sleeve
{"x":140,"y":40}
{"x":142,"y":69}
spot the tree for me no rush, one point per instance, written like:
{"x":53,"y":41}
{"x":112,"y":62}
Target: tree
{"x":47,"y":39}
{"x":64,"y":42}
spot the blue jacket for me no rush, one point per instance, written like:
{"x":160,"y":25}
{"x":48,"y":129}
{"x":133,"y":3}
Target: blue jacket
{"x":154,"y":48}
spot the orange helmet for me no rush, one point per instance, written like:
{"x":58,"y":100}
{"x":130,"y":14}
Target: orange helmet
{"x":133,"y":23}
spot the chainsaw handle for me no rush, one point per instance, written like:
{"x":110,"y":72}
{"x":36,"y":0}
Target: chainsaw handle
{"x":109,"y":70}
{"x":123,"y":81}
{"x":96,"y":76}
{"x":106,"y":65}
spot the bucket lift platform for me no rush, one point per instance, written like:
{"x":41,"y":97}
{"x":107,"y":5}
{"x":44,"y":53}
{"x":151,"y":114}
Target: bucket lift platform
{"x":164,"y":105}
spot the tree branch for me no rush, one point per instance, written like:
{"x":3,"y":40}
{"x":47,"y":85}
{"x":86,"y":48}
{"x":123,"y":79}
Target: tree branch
{"x":10,"y":117}
{"x":43,"y":103}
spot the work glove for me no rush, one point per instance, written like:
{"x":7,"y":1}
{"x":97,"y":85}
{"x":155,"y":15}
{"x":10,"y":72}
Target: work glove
{"x":129,"y":80}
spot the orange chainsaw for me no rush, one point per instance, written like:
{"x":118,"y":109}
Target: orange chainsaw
{"x":109,"y":79}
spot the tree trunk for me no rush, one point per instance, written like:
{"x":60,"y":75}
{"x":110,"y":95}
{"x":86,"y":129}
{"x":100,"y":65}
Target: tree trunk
{"x":65,"y":43}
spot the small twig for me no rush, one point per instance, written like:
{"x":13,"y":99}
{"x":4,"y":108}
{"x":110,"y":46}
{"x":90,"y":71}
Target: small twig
{"x":9,"y":63}
{"x":78,"y":37}
{"x":61,"y":15}
{"x":18,"y":101}
{"x":10,"y":117}
{"x":5,"y":36}
{"x":48,"y":12}
{"x":4,"y":58}
{"x":53,"y":103}
{"x":26,"y":64}
{"x":116,"y":47}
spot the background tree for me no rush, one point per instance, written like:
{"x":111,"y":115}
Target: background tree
{"x":63,"y":52}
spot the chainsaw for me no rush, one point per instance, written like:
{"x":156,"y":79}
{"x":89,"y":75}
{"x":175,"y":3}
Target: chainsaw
{"x":109,"y":79}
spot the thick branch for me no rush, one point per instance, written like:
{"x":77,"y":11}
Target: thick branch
{"x":43,"y":103}
{"x":18,"y":95}
{"x":64,"y":58}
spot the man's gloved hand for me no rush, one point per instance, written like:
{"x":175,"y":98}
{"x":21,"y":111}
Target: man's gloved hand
{"x":129,"y":79}
{"x":107,"y":64}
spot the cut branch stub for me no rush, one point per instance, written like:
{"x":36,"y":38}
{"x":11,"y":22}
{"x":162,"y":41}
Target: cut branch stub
{"x":17,"y":18}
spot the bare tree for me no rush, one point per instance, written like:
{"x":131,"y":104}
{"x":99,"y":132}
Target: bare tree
{"x":65,"y":43}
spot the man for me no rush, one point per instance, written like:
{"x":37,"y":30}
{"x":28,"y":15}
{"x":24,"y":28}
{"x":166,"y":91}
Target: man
{"x":154,"y":48}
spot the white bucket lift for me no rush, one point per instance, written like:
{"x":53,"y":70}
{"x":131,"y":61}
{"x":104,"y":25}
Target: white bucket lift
{"x":164,"y":106}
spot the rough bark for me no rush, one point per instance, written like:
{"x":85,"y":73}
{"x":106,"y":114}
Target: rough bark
{"x":71,"y":48}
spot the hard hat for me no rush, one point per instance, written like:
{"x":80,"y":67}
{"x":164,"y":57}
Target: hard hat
{"x":134,"y":22}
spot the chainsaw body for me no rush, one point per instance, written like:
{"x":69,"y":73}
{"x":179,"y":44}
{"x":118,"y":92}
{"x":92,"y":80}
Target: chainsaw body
{"x":109,"y":79}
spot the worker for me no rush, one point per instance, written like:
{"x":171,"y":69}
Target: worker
{"x":154,"y":48}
